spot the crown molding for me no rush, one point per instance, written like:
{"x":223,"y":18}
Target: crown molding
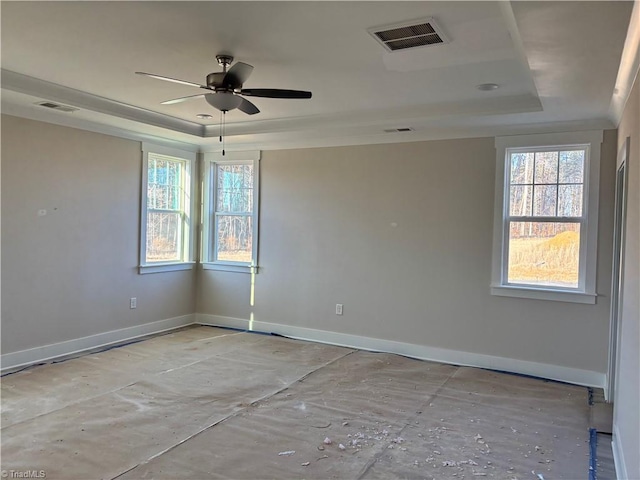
{"x":35,"y":87}
{"x":25,"y":84}
{"x":629,"y":67}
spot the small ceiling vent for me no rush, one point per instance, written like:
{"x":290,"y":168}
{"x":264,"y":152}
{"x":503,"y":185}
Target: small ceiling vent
{"x":416,"y":33}
{"x":397,"y":130}
{"x":58,"y":106}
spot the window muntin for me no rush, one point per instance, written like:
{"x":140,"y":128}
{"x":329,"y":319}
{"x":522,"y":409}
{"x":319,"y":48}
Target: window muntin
{"x":167,"y":206}
{"x":544,"y":216}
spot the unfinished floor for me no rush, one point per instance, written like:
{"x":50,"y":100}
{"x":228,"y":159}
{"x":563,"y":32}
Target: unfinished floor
{"x":206,"y":402}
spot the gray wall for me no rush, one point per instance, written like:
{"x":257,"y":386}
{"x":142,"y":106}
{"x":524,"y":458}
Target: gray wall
{"x":70,"y":274}
{"x":326,"y":237}
{"x":627,"y":395}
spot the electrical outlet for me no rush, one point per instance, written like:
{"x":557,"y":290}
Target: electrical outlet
{"x":133,"y":302}
{"x":338,"y":309}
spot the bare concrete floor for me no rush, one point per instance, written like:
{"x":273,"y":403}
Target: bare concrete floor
{"x":213,"y":403}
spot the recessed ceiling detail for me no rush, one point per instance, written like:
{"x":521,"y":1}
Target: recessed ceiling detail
{"x":416,"y":33}
{"x":534,"y":51}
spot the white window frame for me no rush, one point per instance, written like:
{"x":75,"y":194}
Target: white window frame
{"x":207,"y":254}
{"x":586,"y":291}
{"x":188,"y":203}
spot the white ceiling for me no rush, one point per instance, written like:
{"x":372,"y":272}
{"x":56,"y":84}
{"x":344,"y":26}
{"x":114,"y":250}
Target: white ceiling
{"x":556,"y":64}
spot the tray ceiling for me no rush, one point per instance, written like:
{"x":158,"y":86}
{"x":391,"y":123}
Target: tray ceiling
{"x":550,"y":68}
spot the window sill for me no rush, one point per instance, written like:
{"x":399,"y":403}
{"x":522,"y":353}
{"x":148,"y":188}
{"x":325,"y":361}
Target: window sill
{"x":165,"y":267}
{"x":543,"y":294}
{"x":226,"y":267}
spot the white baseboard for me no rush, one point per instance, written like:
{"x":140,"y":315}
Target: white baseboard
{"x":10,"y":361}
{"x":618,"y":455}
{"x":422,"y":352}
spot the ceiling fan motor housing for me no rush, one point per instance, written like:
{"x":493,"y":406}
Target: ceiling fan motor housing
{"x":215,"y":79}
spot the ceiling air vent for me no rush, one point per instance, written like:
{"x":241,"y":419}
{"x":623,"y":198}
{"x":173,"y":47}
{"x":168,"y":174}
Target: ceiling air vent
{"x":396,"y":130}
{"x":58,"y":106}
{"x":416,"y":33}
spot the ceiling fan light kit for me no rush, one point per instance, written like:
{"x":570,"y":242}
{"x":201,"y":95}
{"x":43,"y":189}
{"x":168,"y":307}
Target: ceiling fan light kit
{"x":223,"y":101}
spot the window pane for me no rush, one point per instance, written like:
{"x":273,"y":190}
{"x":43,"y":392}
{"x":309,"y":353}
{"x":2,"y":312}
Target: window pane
{"x":520,"y":201}
{"x":521,"y":168}
{"x":163,"y":187}
{"x":163,"y":197}
{"x":544,"y":200}
{"x":546,"y":170}
{"x":544,"y":253}
{"x":569,"y":200}
{"x":234,"y":188}
{"x":571,"y":167}
{"x":163,"y":237}
{"x":235,"y":237}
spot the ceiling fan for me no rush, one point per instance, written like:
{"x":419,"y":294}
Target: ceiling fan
{"x":225,"y":88}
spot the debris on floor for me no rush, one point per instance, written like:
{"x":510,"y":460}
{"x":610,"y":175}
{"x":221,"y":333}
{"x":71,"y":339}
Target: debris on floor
{"x":287,"y":453}
{"x":382,"y":415}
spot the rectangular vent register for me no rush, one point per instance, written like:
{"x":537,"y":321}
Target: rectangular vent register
{"x":416,"y":33}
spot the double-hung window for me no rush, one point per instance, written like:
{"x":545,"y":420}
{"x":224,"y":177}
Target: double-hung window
{"x":545,"y":231}
{"x":230,"y":218}
{"x":167,"y":209}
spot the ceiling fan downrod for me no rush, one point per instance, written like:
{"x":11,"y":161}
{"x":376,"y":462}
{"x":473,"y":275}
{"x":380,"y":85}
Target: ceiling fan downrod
{"x":224,"y":61}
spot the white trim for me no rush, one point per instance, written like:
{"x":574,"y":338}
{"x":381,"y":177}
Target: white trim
{"x":543,"y":294}
{"x":189,"y":161}
{"x":56,"y":118}
{"x":210,"y":159}
{"x":586,"y":293}
{"x":422,"y":352}
{"x":628,"y":69}
{"x":223,"y":267}
{"x":549,"y":139}
{"x":168,"y":151}
{"x":618,"y":455}
{"x":27,"y":85}
{"x":232,"y":157}
{"x":617,"y":280}
{"x":10,"y":361}
{"x":165,"y":267}
{"x":222,"y":321}
{"x":322,"y":132}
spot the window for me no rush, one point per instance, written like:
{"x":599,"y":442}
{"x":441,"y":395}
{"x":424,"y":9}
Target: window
{"x":230,"y":229}
{"x":167,"y":206}
{"x":545,"y":231}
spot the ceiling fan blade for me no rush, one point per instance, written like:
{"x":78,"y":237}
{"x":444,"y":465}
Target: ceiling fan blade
{"x":274,"y":93}
{"x":237,"y":75}
{"x":247,"y":107}
{"x":182,"y":99}
{"x":174,"y":80}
